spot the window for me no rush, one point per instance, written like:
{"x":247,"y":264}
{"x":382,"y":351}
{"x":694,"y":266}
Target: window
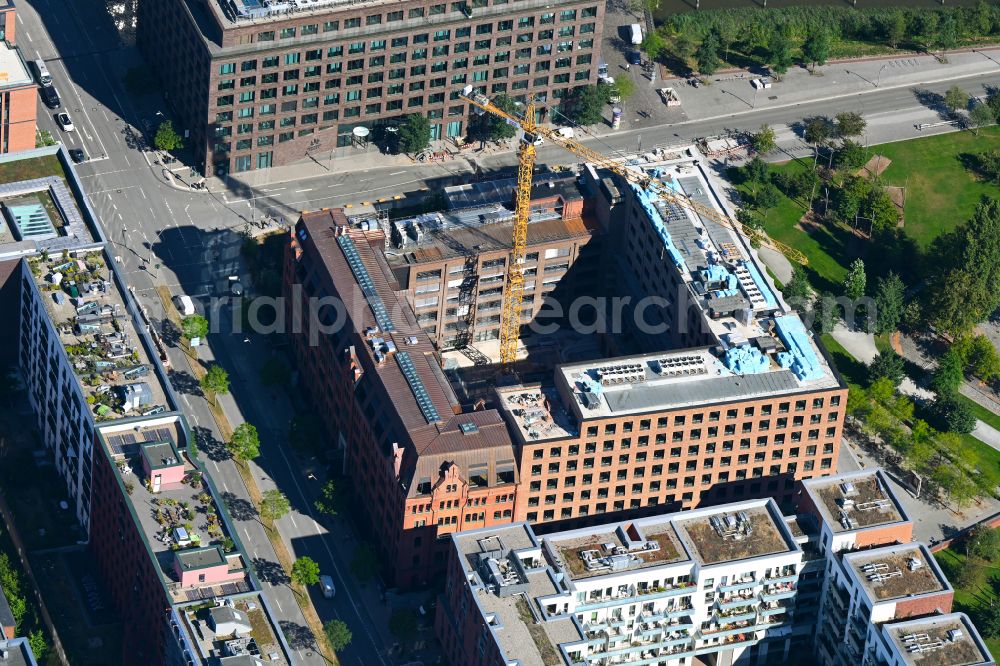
{"x":265,"y":36}
{"x":416,"y":12}
{"x":287,"y":33}
{"x":353,"y":22}
{"x":374,"y":19}
{"x":377,"y":45}
{"x":330,"y":26}
{"x":227,"y":68}
{"x":310,"y":29}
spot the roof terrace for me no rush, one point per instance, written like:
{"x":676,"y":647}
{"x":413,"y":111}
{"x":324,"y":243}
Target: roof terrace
{"x":896,"y":572}
{"x":537,"y":413}
{"x":735,"y":534}
{"x":174,"y":510}
{"x":944,"y":640}
{"x":112,"y":365}
{"x":624,"y":548}
{"x":851,"y":502}
{"x":239,"y":626}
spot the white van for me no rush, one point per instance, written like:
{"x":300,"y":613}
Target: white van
{"x":329,"y":590}
{"x":44,"y":77}
{"x":635,"y":32}
{"x":184,"y":305}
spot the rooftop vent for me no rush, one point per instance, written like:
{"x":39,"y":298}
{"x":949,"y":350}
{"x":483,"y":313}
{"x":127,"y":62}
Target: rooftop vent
{"x":732,"y":526}
{"x":468,"y":428}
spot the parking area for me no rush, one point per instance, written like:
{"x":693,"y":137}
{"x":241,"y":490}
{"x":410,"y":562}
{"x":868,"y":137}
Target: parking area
{"x":646,"y":107}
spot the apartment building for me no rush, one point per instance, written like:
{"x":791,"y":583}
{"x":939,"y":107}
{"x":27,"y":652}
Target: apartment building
{"x":452,"y":264}
{"x":261,"y":84}
{"x":733,"y":584}
{"x":16,"y":652}
{"x":18,"y":92}
{"x":165,"y":546}
{"x":92,"y":370}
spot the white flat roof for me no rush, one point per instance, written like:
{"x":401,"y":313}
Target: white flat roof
{"x":13,"y":71}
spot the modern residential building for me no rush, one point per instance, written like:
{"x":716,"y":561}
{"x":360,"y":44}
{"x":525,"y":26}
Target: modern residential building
{"x":18,"y":92}
{"x":164,"y":545}
{"x":162,"y":541}
{"x":736,"y":401}
{"x":261,"y":84}
{"x":732,"y":584}
{"x":16,"y":652}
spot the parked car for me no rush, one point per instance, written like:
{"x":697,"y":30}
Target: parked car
{"x":77,"y":155}
{"x":50,"y":96}
{"x":634,"y":58}
{"x":184,"y":305}
{"x":65,"y":122}
{"x":329,"y":589}
{"x":565,"y":132}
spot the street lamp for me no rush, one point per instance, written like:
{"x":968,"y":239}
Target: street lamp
{"x":879,"y":77}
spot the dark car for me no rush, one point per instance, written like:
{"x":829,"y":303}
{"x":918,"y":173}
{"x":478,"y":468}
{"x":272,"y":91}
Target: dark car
{"x":77,"y":155}
{"x":634,"y":58}
{"x":50,"y":96}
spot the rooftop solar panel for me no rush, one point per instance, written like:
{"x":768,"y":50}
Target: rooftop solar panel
{"x":424,"y":401}
{"x":365,"y":281}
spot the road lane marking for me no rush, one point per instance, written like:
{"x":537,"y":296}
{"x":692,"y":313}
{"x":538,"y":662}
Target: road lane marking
{"x":396,"y":173}
{"x":308,"y":189}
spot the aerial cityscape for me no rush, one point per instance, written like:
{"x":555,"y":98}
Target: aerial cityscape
{"x":499,"y":332}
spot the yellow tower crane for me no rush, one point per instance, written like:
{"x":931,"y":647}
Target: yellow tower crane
{"x":510,"y":323}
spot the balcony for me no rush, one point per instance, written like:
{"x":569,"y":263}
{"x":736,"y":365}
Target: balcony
{"x":776,"y":592}
{"x":739,"y":585}
{"x":659,"y":593}
{"x":735,"y":602}
{"x":777,"y":580}
{"x":728,"y":619}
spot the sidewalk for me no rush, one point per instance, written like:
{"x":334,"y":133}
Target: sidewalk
{"x":727,"y":95}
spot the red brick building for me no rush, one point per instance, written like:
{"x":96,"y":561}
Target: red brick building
{"x":18,"y":92}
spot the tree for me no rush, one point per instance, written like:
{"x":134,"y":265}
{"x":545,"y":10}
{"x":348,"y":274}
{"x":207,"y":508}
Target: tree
{"x":964,"y":282}
{"x":414,"y":134}
{"x":39,"y":646}
{"x":798,"y":287}
{"x":584,"y":105}
{"x":888,"y":365}
{"x":851,"y":155}
{"x":847,"y":199}
{"x":403,"y":624}
{"x":338,"y":634}
{"x":767,"y":198}
{"x":881,"y":209}
{"x":654,"y":45}
{"x":755,"y":172}
{"x":971,"y":575}
{"x":957,"y":485}
{"x":980,"y":115}
{"x":949,"y":374}
{"x":194,"y":326}
{"x":780,"y":50}
{"x":955,"y":98}
{"x":816,"y":48}
{"x":707,"y":54}
{"x":334,"y":498}
{"x":993,"y":101}
{"x":490,"y":127}
{"x":763,"y":140}
{"x":275,"y":372}
{"x":947,"y":32}
{"x":983,"y":542}
{"x":855,"y":282}
{"x":751,"y":222}
{"x":890,"y":294}
{"x":817,"y":130}
{"x":215,"y":381}
{"x":983,"y":360}
{"x":245,"y":442}
{"x":305,"y":571}
{"x":274,"y":504}
{"x":850,"y":123}
{"x":988,"y":164}
{"x":167,"y":138}
{"x":894,"y":28}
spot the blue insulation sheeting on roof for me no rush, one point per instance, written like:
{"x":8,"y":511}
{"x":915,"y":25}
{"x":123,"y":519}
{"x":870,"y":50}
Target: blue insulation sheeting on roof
{"x":758,"y":279}
{"x":745,"y":360}
{"x":658,"y":224}
{"x":800,"y":358}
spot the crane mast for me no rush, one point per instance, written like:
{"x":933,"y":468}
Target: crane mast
{"x":510,"y":323}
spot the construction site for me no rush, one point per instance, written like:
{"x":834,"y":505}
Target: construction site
{"x":487,"y":350}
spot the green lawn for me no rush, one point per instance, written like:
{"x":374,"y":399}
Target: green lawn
{"x":981,"y":413}
{"x":940,"y":195}
{"x":967,"y":601}
{"x":854,"y":371}
{"x":940,"y":192}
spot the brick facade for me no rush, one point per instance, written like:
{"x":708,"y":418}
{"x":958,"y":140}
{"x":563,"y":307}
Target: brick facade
{"x":261,"y":93}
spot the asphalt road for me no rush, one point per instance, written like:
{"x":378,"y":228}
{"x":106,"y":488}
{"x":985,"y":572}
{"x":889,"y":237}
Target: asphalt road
{"x":188,"y":241}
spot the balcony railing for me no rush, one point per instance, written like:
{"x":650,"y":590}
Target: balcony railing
{"x":658,"y":593}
